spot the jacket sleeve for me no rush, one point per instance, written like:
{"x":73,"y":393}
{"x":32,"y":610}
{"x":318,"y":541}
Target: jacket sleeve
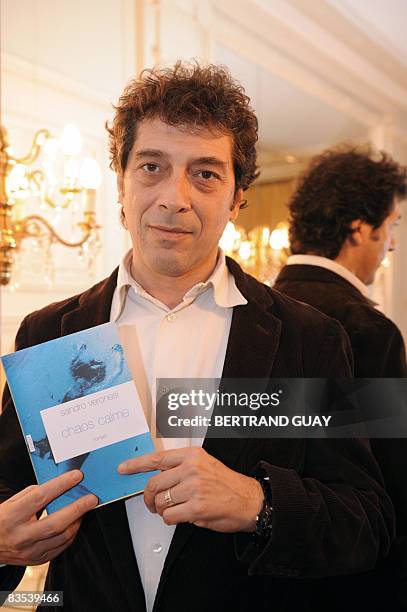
{"x":378,"y":347}
{"x":332,"y":517}
{"x":393,"y":353}
{"x":16,"y":471}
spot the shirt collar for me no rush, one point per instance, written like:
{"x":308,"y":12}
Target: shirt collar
{"x":222,"y":282}
{"x":333,"y":266}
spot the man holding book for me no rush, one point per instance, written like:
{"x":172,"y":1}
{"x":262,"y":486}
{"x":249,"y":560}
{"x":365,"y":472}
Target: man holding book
{"x":226,"y":524}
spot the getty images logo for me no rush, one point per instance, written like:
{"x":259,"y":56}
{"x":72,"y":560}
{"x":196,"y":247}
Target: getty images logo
{"x":204,"y":400}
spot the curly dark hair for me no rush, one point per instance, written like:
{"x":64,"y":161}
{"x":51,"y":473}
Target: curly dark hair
{"x":188,"y":94}
{"x":339,"y":186}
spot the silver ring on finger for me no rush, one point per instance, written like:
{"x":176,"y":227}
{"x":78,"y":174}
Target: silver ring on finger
{"x":168,"y":498}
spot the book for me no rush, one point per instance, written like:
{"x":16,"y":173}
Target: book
{"x":78,"y":408}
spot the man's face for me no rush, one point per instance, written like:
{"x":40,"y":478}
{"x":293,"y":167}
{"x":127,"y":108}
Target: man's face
{"x":177,"y":193}
{"x":379,"y":241}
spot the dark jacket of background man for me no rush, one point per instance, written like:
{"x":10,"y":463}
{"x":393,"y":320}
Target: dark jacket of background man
{"x":346,"y":185}
{"x":377,"y":344}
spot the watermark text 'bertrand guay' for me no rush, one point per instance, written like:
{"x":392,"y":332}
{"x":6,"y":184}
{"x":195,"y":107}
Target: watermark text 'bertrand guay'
{"x":203,"y":400}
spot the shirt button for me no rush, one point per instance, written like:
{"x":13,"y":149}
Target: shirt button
{"x":171,"y":317}
{"x":157,"y":548}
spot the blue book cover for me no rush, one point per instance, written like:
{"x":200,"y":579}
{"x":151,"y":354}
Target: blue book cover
{"x":78,"y":408}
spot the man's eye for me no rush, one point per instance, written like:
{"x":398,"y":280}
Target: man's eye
{"x":207,"y":174}
{"x":151,"y":168}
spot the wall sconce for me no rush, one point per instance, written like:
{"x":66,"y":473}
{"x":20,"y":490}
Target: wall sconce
{"x":261,"y":252}
{"x":71,"y":188}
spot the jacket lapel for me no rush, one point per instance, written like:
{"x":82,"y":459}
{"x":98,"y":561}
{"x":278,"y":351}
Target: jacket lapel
{"x":93,"y":307}
{"x":114,"y":526}
{"x":251,"y":350}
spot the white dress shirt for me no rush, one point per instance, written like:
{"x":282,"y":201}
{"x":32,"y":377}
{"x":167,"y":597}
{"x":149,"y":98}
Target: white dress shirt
{"x":188,"y":341}
{"x":333,"y":266}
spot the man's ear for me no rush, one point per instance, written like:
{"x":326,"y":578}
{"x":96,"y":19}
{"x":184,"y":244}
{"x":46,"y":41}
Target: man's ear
{"x":120,"y":193}
{"x":356,"y":238}
{"x":237,"y":202}
{"x":120,"y":188}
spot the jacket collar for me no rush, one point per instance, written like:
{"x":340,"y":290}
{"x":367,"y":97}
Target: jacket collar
{"x":330,"y":264}
{"x":312,"y":273}
{"x":221,"y":285}
{"x":254,"y":321}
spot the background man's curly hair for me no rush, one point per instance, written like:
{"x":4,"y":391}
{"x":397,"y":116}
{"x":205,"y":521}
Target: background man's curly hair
{"x":188,"y":94}
{"x":339,"y":186}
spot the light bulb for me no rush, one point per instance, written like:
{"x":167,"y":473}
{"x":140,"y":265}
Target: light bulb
{"x":265,"y":235}
{"x":228,"y":238}
{"x":90,"y":175}
{"x":71,"y":140}
{"x":50,"y":147}
{"x":279,"y":239}
{"x":245,"y":250}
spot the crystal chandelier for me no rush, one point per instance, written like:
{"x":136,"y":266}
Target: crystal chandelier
{"x":261,"y":252}
{"x":49,"y":204}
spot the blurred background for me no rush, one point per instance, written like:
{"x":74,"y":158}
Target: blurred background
{"x":318,"y":72}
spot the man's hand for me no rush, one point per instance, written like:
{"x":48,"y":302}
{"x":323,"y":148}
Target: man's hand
{"x":203,"y":490}
{"x":25,"y":540}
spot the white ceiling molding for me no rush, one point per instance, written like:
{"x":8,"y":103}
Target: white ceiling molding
{"x":315,"y":52}
{"x":328,"y":31}
{"x":253,"y":47}
{"x":380,"y":27}
{"x":305,"y":43}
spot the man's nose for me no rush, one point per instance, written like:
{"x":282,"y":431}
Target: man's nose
{"x":392,"y":246}
{"x":176,"y":194}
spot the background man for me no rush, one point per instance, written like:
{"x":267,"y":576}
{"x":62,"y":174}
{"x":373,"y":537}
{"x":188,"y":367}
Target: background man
{"x":208,"y":535}
{"x":344,"y":216}
{"x":343,"y":219}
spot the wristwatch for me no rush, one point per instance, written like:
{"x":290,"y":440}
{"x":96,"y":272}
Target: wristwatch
{"x":264,"y":520}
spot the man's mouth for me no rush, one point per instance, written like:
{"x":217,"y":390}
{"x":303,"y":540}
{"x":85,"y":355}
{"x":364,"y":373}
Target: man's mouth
{"x":170,"y":232}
